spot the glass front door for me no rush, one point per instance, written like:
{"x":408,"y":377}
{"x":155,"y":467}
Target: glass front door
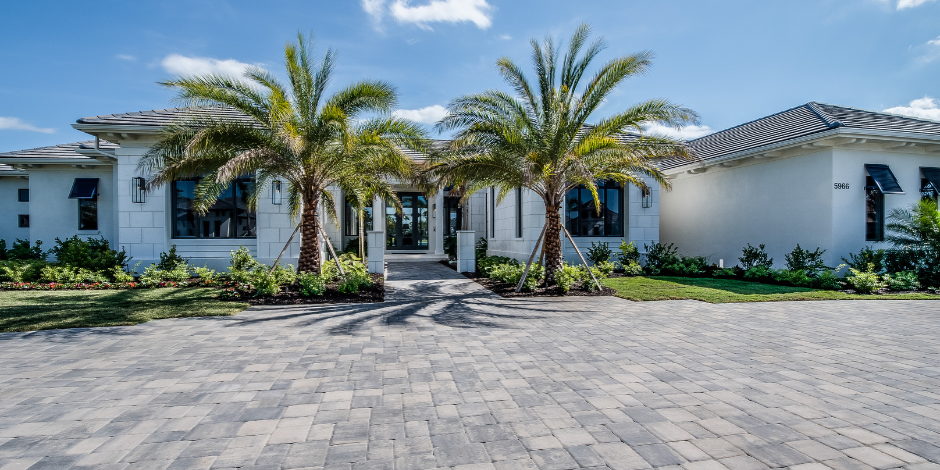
{"x":409,"y":229}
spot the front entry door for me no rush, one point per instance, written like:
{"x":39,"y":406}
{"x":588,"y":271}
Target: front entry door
{"x":408,"y":230}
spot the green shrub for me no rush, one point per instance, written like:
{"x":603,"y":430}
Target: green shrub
{"x":804,"y":260}
{"x":153,"y":275}
{"x":72,"y":275}
{"x":94,"y":254}
{"x":659,"y":255}
{"x":484,"y":265}
{"x":632,"y":269}
{"x":450,"y":246}
{"x":727,"y":273}
{"x":865,"y":282}
{"x":241,"y":260}
{"x":629,"y":254}
{"x":120,"y":275}
{"x":3,"y":250}
{"x":915,"y":235}
{"x":22,"y":250}
{"x":829,"y":279}
{"x":599,"y":253}
{"x":867,"y":256}
{"x":21,"y":270}
{"x":479,"y":250}
{"x":266,"y":284}
{"x":904,"y":280}
{"x":759,"y":273}
{"x":588,"y":282}
{"x":687,"y":266}
{"x":793,"y":277}
{"x":354,"y":281}
{"x":311,"y":284}
{"x":751,"y":256}
{"x":350,"y":263}
{"x":206,"y":275}
{"x":567,"y":277}
{"x":511,"y":273}
{"x":285,"y":275}
{"x":605,"y":267}
{"x":169,"y":260}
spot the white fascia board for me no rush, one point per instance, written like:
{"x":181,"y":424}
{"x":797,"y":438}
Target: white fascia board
{"x":51,"y":161}
{"x":837,"y":132}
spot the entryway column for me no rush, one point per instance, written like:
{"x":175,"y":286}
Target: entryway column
{"x":376,"y":240}
{"x":440,"y":218}
{"x":466,"y":256}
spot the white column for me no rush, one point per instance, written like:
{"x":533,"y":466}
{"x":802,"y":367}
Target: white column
{"x":438,"y":223}
{"x":466,"y":256}
{"x":376,"y":240}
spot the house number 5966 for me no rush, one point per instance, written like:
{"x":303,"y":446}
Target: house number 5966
{"x":840,"y":185}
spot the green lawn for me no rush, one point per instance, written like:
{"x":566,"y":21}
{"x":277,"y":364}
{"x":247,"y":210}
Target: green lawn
{"x":728,"y":290}
{"x":43,"y":310}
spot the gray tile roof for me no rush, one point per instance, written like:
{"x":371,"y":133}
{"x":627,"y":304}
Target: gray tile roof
{"x":164,"y":117}
{"x":61,"y":151}
{"x":801,"y":121}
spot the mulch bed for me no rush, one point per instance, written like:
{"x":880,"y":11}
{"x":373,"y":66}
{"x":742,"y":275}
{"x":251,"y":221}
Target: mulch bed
{"x":509,"y":290}
{"x":291,"y":295}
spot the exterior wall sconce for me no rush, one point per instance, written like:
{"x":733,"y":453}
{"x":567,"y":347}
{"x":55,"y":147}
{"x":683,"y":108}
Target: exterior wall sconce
{"x":647,"y":198}
{"x":138,"y":190}
{"x":276,"y":195}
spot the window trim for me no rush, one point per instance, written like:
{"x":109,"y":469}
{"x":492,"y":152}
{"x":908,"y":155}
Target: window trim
{"x":349,"y":212}
{"x":604,"y":186}
{"x":19,"y":194}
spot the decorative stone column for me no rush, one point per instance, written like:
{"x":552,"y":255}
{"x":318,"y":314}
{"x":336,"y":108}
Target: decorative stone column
{"x":376,"y":240}
{"x":466,"y":258}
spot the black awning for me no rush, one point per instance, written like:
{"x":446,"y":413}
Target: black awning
{"x":84,"y":188}
{"x":884,"y":179}
{"x":933,"y":176}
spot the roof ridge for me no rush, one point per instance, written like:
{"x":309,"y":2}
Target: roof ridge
{"x":752,"y":122}
{"x":902,"y":116}
{"x":826,"y":117}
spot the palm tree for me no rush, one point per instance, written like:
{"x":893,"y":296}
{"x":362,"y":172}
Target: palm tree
{"x":915,"y":235}
{"x":292,"y":133}
{"x":539,"y":138}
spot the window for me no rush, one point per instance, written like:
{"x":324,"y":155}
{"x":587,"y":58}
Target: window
{"x":88,"y":214}
{"x":23,"y":220}
{"x":352,"y":219}
{"x":518,"y":212}
{"x":927,"y":189}
{"x":492,"y":212}
{"x":582,"y":217}
{"x":930,"y":183}
{"x":874,"y":212}
{"x":453,"y":216}
{"x":23,"y":195}
{"x":228,"y":217}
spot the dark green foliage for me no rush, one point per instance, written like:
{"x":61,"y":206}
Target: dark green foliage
{"x":170,"y":260}
{"x":352,"y":246}
{"x":729,"y":273}
{"x":690,"y":266}
{"x":804,"y":260}
{"x":629,"y":254}
{"x":867,"y":256}
{"x":21,"y":249}
{"x":94,"y":254}
{"x":599,"y":252}
{"x":486,"y":264}
{"x":3,"y":249}
{"x":752,"y":256}
{"x":450,"y":246}
{"x":759,"y":273}
{"x":480,"y":249}
{"x":915,"y":236}
{"x":905,"y":280}
{"x":659,"y":255}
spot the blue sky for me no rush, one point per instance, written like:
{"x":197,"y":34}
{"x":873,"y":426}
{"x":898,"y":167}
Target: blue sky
{"x":731,"y":61}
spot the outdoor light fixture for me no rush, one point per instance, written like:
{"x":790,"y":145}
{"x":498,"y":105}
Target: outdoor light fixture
{"x":647,"y":198}
{"x":138,"y":190}
{"x":276,"y":192}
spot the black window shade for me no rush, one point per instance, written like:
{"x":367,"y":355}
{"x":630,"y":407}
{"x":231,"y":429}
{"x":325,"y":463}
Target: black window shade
{"x":932,"y":175}
{"x":884,"y":179}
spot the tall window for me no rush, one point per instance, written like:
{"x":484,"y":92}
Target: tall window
{"x":518,"y":212}
{"x":228,"y":217}
{"x":88,"y":214}
{"x":23,"y":195}
{"x":582,"y":217}
{"x":352,"y":219}
{"x":874,"y":211}
{"x":492,"y":212}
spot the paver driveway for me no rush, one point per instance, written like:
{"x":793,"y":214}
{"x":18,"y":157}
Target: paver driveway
{"x":446,"y":375}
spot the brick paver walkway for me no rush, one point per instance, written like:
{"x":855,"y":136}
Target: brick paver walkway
{"x":446,"y":375}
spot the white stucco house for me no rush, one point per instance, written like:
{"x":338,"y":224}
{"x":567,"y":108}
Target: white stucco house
{"x":818,"y":175}
{"x":91,"y":188}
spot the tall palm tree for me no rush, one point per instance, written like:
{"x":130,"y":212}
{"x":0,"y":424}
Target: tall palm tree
{"x":293,"y":133}
{"x":539,"y":138}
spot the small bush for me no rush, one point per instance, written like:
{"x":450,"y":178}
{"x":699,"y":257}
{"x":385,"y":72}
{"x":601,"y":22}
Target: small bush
{"x":153,"y":275}
{"x":795,"y":277}
{"x":311,"y":284}
{"x":629,"y":254}
{"x":567,"y":277}
{"x":450,"y":246}
{"x":93,"y":254}
{"x":206,"y":275}
{"x":479,"y":250}
{"x":829,"y":279}
{"x":759,"y":273}
{"x":350,"y":263}
{"x":354,"y":281}
{"x":352,"y":246}
{"x":804,"y":260}
{"x":120,"y":275}
{"x":904,"y":280}
{"x":599,"y":253}
{"x":486,"y":264}
{"x":22,"y":250}
{"x":605,"y":267}
{"x":867,"y":256}
{"x":659,"y":255}
{"x":751,"y":256}
{"x":865,"y":282}
{"x":690,"y":266}
{"x":170,"y":261}
{"x":511,"y":273}
{"x":632,"y":269}
{"x":588,"y":282}
{"x":241,"y":260}
{"x":21,"y":270}
{"x":727,"y":273}
{"x":265,"y":283}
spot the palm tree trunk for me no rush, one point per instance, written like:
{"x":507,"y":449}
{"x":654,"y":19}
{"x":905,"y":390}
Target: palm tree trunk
{"x":309,"y":261}
{"x":552,"y":244}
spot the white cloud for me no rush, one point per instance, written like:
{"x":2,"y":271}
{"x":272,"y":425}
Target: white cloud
{"x":126,"y":57}
{"x":375,"y":9}
{"x":505,"y":37}
{"x":450,"y":11}
{"x":428,"y":115}
{"x":684,"y":133}
{"x":902,"y":4}
{"x":17,"y":124}
{"x":926,"y":108}
{"x":192,"y":66}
